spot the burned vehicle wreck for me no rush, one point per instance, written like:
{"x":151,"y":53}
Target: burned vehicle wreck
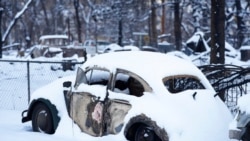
{"x":58,"y":48}
{"x":94,"y":116}
{"x":97,"y":115}
{"x":115,"y":95}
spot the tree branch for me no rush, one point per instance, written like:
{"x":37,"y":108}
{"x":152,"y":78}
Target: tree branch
{"x":13,"y":22}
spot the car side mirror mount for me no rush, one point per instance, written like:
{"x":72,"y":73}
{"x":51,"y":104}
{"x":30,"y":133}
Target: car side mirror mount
{"x":80,"y":77}
{"x":67,"y":84}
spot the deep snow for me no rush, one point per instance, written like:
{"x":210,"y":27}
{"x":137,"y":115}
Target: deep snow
{"x":12,"y":129}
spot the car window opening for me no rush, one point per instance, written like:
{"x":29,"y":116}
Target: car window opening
{"x":181,"y":83}
{"x":135,"y":87}
{"x":98,"y":77}
{"x":128,"y":85}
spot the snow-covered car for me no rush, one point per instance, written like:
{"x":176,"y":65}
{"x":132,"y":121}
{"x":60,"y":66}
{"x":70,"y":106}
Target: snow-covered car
{"x":149,"y":48}
{"x":51,"y":45}
{"x":58,"y":47}
{"x":93,"y":47}
{"x":116,"y":48}
{"x":133,"y":96}
{"x":240,"y":125}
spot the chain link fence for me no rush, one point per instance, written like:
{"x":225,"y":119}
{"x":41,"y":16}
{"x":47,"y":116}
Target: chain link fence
{"x":18,"y":79}
{"x":229,"y":81}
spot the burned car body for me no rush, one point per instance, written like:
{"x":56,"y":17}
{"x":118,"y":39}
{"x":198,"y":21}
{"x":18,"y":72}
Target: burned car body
{"x":116,"y":94}
{"x":51,"y":45}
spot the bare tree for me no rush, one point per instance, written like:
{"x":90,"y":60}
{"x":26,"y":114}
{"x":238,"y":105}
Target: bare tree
{"x":240,"y":23}
{"x":217,"y":55}
{"x":1,"y":42}
{"x":47,"y":27}
{"x":177,"y":25}
{"x":53,"y":16}
{"x":12,"y":24}
{"x":153,"y":31}
{"x":163,"y":17}
{"x":78,"y":21}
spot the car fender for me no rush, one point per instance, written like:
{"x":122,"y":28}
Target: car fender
{"x":136,"y":121}
{"x":51,"y":107}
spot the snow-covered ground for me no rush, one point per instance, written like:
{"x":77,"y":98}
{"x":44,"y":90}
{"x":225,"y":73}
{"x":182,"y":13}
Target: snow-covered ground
{"x":12,"y":129}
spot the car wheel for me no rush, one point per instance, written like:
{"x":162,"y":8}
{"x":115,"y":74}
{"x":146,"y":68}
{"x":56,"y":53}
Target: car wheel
{"x":143,"y":128}
{"x":42,"y":119}
{"x":145,"y":133}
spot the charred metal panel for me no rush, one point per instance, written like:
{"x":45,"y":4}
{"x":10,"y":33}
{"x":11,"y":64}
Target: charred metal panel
{"x":86,"y":113}
{"x":117,"y":111}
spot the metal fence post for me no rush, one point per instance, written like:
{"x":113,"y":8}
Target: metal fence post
{"x":28,"y":78}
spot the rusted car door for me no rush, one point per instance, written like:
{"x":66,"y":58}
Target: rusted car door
{"x":86,"y":110}
{"x":92,"y":110}
{"x":87,"y":100}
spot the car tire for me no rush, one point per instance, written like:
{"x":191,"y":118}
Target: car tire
{"x":141,"y":126}
{"x":42,"y":120}
{"x":145,"y":133}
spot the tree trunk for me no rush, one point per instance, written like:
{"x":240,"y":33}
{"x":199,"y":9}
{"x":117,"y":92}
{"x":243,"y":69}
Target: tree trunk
{"x":163,"y":18}
{"x":240,"y":23}
{"x":1,"y":40}
{"x":47,"y":28}
{"x":78,"y":22}
{"x":217,"y":55}
{"x":177,"y":25}
{"x":120,"y":32}
{"x":26,"y":33}
{"x":153,"y":24}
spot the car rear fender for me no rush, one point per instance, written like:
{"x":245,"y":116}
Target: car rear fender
{"x":136,"y":121}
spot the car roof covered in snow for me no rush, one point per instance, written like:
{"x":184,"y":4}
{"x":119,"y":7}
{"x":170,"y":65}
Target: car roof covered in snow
{"x":44,"y":37}
{"x":148,"y":65}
